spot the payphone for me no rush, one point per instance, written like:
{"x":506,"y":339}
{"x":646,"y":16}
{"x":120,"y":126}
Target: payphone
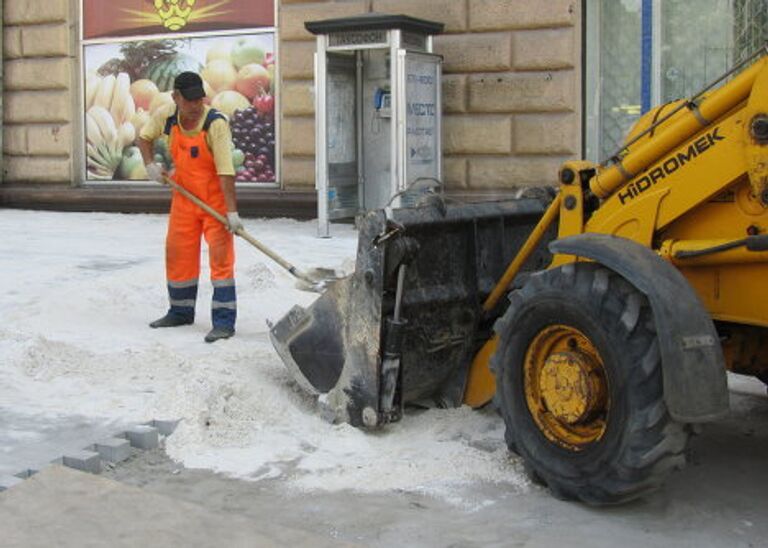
{"x":377,"y":113}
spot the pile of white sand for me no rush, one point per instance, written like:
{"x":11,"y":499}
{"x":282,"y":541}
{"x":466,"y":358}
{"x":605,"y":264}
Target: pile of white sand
{"x":78,"y":292}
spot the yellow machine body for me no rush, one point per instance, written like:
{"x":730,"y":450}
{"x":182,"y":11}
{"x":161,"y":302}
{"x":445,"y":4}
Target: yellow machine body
{"x":696,"y":181}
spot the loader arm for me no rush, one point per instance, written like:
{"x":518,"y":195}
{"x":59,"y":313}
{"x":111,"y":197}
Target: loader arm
{"x":701,"y":181}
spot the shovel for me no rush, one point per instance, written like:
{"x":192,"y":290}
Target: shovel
{"x":315,"y":280}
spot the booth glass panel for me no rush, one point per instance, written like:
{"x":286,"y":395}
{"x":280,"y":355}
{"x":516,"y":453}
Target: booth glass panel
{"x":341,"y":122}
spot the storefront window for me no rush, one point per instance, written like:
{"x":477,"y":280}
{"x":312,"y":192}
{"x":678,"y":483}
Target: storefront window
{"x":696,"y":45}
{"x":690,"y":44}
{"x":128,"y":77}
{"x":614,"y":87}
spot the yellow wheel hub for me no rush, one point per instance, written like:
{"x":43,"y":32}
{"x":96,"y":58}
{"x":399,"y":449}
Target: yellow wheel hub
{"x":565,"y":387}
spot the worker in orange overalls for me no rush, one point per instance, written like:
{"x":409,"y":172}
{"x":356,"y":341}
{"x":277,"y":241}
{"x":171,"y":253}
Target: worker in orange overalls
{"x":199,"y":142}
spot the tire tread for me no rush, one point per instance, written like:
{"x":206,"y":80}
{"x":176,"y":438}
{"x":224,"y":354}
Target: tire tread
{"x":653,"y":444}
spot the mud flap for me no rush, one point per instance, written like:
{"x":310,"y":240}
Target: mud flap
{"x":695,"y":384}
{"x":335,"y":348}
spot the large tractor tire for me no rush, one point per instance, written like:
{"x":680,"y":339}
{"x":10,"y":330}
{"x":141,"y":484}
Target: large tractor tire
{"x":579,"y":384}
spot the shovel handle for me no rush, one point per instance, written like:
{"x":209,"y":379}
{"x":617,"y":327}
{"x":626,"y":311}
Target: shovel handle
{"x":240,"y":232}
{"x":274,"y":256}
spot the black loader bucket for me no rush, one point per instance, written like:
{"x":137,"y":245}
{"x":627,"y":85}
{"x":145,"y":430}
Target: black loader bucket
{"x":405,"y":326}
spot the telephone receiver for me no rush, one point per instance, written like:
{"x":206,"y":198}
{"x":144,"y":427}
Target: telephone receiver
{"x":383,"y":108}
{"x":381,"y":98}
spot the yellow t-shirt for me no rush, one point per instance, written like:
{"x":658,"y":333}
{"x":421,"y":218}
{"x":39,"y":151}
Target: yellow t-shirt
{"x":218,"y":138}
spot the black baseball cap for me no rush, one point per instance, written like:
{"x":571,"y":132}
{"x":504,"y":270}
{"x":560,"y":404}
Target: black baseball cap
{"x":190,"y":85}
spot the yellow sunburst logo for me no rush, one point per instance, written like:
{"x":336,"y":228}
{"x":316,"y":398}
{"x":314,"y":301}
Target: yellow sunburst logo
{"x":175,"y":14}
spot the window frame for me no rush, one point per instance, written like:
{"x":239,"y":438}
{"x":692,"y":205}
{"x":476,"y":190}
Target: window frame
{"x":80,"y":178}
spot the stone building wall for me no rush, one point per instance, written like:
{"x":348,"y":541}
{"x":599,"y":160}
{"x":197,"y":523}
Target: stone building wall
{"x":511,"y":86}
{"x":39,"y":102}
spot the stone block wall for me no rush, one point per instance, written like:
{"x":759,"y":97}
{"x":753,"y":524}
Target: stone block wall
{"x":511,"y":86}
{"x":39,"y":97}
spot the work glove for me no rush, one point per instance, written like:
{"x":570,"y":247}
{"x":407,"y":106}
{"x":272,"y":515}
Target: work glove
{"x":155,"y":172}
{"x":233,"y":222}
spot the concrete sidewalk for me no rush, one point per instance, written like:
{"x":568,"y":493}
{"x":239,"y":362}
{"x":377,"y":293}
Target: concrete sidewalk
{"x":149,"y":500}
{"x":62,"y":507}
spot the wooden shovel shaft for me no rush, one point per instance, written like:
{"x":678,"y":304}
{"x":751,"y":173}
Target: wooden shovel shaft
{"x":240,"y":232}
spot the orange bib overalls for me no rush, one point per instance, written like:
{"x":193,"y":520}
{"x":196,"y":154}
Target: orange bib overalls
{"x":196,"y":171}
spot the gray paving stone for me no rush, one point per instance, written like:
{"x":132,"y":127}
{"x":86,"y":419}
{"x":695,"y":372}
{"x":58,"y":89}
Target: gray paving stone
{"x":85,"y":461}
{"x":24,"y":474}
{"x":143,"y":437}
{"x":165,"y":427}
{"x":6,"y":481}
{"x":113,"y":449}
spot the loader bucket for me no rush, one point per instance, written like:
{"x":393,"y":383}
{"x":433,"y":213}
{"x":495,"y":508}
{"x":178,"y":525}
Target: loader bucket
{"x":454,"y":255}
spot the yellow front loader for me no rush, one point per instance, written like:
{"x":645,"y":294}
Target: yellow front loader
{"x":601,"y":317}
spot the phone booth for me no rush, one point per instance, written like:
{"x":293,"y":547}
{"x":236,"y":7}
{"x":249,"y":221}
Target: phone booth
{"x":377,"y":113}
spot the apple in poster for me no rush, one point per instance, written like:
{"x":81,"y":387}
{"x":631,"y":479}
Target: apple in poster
{"x":245,"y":51}
{"x":229,"y":101}
{"x":132,"y":165}
{"x":220,"y":75}
{"x":252,"y":80}
{"x":143,"y":91}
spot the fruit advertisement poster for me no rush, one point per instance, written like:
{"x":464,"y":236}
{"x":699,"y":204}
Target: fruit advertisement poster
{"x":126,"y":83}
{"x":115,"y":18}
